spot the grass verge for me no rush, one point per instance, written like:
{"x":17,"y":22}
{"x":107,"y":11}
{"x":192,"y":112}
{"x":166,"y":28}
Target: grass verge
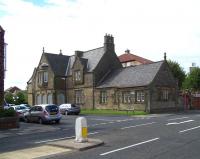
{"x":111,"y":112}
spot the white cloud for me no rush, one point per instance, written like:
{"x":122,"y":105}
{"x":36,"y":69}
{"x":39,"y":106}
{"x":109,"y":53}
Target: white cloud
{"x":147,"y":28}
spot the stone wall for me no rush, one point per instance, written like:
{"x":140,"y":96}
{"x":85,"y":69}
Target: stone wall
{"x":115,"y":101}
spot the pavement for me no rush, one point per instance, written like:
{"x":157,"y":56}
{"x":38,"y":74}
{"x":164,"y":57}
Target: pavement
{"x":71,"y":144}
{"x":52,"y":149}
{"x":36,"y":152}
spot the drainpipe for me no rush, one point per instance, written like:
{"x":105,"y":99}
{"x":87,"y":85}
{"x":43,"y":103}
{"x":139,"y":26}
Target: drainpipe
{"x":93,"y":86}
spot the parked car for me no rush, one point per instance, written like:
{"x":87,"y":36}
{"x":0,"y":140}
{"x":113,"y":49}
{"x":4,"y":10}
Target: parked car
{"x":5,"y":105}
{"x":43,"y":113}
{"x":69,"y":109}
{"x":27,"y":105}
{"x":20,"y":110}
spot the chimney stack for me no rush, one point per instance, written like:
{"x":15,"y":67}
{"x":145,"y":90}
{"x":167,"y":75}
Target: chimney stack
{"x":79,"y":53}
{"x":165,"y":56}
{"x":109,"y":43}
{"x":127,"y":51}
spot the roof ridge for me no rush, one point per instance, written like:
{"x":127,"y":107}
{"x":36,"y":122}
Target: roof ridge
{"x":92,"y":49}
{"x":143,"y":64}
{"x":55,"y":54}
{"x":140,"y":57}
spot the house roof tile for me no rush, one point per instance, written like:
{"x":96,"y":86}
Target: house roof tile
{"x":91,"y":58}
{"x":127,"y":57}
{"x":134,"y":76}
{"x":58,"y":63}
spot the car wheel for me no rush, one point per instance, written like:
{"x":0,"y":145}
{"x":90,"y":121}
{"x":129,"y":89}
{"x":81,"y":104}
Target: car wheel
{"x":57,"y":121}
{"x":26,"y":120}
{"x":40,"y":121}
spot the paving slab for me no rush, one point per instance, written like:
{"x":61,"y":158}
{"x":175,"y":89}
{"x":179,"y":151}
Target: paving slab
{"x":71,"y":144}
{"x":36,"y":152}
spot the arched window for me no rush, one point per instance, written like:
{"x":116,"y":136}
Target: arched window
{"x":60,"y":98}
{"x":38,"y":101}
{"x":44,"y":99}
{"x":49,"y":99}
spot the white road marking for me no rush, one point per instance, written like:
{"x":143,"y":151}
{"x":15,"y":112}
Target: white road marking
{"x":182,"y":131}
{"x":111,"y":122}
{"x":101,"y":119}
{"x":69,"y":137}
{"x":134,"y":145}
{"x":177,"y":118}
{"x":137,"y":125}
{"x":176,"y":123}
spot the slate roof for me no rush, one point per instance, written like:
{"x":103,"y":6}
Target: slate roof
{"x":58,"y":63}
{"x":134,"y":76}
{"x":84,"y":62}
{"x":127,"y":57}
{"x":91,"y":57}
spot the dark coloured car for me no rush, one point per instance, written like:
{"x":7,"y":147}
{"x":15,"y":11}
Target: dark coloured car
{"x":43,"y":113}
{"x":69,"y":109}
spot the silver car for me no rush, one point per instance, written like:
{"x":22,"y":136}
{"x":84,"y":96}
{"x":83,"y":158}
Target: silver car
{"x":69,"y":109}
{"x":43,"y":113}
{"x":20,"y":110}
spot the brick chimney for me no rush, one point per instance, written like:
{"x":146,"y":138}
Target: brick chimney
{"x":109,"y":43}
{"x":1,"y":67}
{"x":79,"y":53}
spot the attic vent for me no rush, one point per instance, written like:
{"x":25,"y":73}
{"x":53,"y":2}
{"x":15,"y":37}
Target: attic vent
{"x":44,"y":65}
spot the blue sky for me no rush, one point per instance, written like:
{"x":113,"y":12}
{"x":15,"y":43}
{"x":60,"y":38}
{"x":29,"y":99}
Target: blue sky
{"x":37,"y":2}
{"x":147,"y":28}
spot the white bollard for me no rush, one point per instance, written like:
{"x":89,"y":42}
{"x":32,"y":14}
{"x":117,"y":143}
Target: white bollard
{"x":81,"y":130}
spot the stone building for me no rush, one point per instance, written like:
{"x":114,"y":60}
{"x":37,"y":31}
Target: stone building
{"x":127,"y":59}
{"x":1,"y":66}
{"x":96,"y":79}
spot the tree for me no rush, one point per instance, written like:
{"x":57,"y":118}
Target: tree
{"x":9,"y":98}
{"x":18,"y":98}
{"x":192,"y":81}
{"x":177,"y":71}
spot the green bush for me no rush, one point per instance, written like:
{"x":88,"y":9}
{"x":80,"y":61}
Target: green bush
{"x":7,"y":113}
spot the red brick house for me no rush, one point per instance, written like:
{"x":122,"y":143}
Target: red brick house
{"x":128,"y":59}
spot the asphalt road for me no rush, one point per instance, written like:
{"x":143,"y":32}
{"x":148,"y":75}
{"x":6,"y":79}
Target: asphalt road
{"x":165,"y":136}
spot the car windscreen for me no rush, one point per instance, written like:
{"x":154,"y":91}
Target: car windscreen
{"x":20,"y":108}
{"x":51,"y":108}
{"x":73,"y":105}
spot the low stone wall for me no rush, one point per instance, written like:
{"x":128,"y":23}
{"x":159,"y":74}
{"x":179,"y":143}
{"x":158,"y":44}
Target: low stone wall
{"x":9,"y":122}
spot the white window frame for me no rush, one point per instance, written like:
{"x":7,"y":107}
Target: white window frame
{"x":42,"y":77}
{"x":77,"y":75}
{"x":126,"y":97}
{"x":140,"y":96}
{"x":103,"y":97}
{"x":45,"y":75}
{"x":165,"y":94}
{"x":78,"y":96}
